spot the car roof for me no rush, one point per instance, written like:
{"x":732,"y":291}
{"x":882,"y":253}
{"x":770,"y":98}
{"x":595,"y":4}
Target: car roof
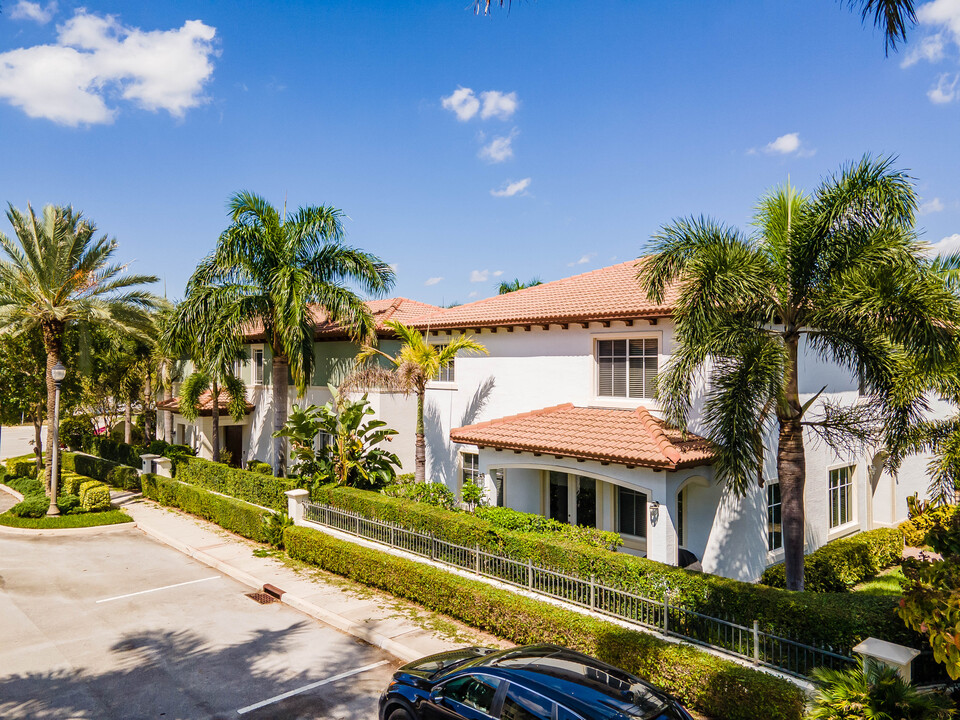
{"x":583,"y":684}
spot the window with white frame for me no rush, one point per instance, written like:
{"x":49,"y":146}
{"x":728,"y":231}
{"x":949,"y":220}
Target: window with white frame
{"x":323,"y":439}
{"x":445,"y":374}
{"x":627,"y":368}
{"x":471,"y":467}
{"x":841,"y":495}
{"x":258,"y":366}
{"x":631,"y":512}
{"x":774,"y":517}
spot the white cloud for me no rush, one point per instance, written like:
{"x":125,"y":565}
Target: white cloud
{"x":784,"y":145}
{"x":26,"y":10}
{"x":932,"y":206}
{"x":947,"y":246}
{"x":512,"y":188}
{"x":463,"y":103}
{"x":584,"y":259}
{"x":433,"y":281}
{"x":96,"y":58}
{"x":945,"y":91}
{"x":497,"y":273}
{"x":479,"y":275}
{"x":500,"y":148}
{"x":498,"y":104}
{"x":473,"y":294}
{"x":944,"y":14}
{"x":931,"y":49}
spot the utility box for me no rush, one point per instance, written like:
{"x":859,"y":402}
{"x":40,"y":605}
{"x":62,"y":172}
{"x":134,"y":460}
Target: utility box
{"x":874,"y":650}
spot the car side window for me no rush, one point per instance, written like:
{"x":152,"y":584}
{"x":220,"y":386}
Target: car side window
{"x":523,"y":704}
{"x":475,"y":691}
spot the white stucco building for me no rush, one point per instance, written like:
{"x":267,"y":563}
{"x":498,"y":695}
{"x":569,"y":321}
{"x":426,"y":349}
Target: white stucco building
{"x":560,"y":419}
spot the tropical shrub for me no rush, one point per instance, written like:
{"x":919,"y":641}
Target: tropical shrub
{"x":32,"y":506}
{"x":474,"y":495}
{"x":69,"y":504}
{"x":252,"y":487}
{"x":841,"y":564}
{"x":717,"y":687}
{"x":922,"y":518}
{"x":430,"y":493}
{"x":873,"y":691}
{"x":511,"y":519}
{"x":273,"y":526}
{"x":75,"y":430}
{"x":234,"y":515}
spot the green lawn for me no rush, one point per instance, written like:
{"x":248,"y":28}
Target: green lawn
{"x":91,"y":519}
{"x":886,"y":584}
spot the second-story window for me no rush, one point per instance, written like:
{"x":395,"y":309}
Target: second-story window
{"x":446,"y":374}
{"x":627,"y":368}
{"x":258,"y":366}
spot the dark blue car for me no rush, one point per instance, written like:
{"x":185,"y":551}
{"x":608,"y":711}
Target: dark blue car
{"x":535,"y":682}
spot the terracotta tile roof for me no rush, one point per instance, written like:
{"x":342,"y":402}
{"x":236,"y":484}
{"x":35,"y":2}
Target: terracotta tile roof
{"x":610,"y":293}
{"x":403,"y":309}
{"x":206,"y":403}
{"x":627,"y":437}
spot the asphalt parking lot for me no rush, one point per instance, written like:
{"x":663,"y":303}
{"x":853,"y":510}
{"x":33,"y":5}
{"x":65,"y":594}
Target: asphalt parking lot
{"x":114,"y":625}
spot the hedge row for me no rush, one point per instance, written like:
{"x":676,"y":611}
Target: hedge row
{"x":254,"y":487}
{"x":717,"y":687}
{"x":840,"y":621}
{"x":23,"y":466}
{"x":839,"y":565}
{"x":234,"y":515}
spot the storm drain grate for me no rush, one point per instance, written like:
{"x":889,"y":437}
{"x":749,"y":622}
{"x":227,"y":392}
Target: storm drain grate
{"x":262,"y":597}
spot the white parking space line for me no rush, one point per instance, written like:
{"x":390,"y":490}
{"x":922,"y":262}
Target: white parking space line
{"x":165,"y":587}
{"x":311,"y":686}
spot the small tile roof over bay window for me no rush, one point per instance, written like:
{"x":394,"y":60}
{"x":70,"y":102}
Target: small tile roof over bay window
{"x":610,"y":293}
{"x":206,"y":404}
{"x":634,"y":438}
{"x":401,"y":309}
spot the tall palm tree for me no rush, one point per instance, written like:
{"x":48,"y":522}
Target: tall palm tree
{"x":892,"y":17}
{"x":56,"y":274}
{"x":211,"y":335}
{"x":417,"y":362}
{"x":839,"y":275}
{"x":517,"y":284}
{"x":270,"y":268}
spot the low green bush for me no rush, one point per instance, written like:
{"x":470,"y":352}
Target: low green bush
{"x":259,"y":467}
{"x":124,"y":478}
{"x":69,"y":504}
{"x":717,"y":687}
{"x":837,"y":620}
{"x":510,"y":519}
{"x":916,"y":528}
{"x":32,"y":506}
{"x":94,"y":496}
{"x":252,"y":487}
{"x":24,"y":466}
{"x":26,"y":485}
{"x":429,"y":493}
{"x":839,"y":565}
{"x":109,"y":517}
{"x":234,"y":515}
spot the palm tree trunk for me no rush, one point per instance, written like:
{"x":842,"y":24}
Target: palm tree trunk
{"x":149,"y":418}
{"x":53,"y":343}
{"x":38,"y":437}
{"x":128,"y":421}
{"x":420,"y":457}
{"x":168,"y":414}
{"x":279,"y":371}
{"x":792,"y":473}
{"x":215,"y":420}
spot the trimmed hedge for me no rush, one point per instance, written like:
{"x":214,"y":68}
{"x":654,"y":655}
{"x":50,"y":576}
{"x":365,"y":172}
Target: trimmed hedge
{"x":839,"y":565}
{"x":838,"y":620}
{"x":510,"y":519}
{"x":714,"y":686}
{"x":94,"y":495}
{"x":234,"y":515}
{"x":23,"y":466}
{"x":253,"y":487}
{"x":108,"y":517}
{"x":113,"y":450}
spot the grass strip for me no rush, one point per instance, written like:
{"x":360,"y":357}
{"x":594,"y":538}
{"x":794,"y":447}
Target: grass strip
{"x":62,"y":522}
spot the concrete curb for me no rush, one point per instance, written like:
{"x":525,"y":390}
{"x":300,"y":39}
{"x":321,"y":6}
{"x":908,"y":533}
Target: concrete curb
{"x":6,"y":530}
{"x":10,"y":491}
{"x":351,"y":627}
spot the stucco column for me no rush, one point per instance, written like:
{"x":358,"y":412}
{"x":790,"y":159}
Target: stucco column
{"x":661,"y":527}
{"x":295,"y":501}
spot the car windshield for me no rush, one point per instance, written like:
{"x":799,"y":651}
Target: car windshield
{"x":438,"y":665}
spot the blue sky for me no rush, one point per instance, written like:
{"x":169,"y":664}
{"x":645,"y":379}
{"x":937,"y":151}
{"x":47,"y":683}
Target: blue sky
{"x":604,"y":120}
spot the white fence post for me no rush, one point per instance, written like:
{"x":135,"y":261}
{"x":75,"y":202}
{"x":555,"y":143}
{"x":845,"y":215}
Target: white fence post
{"x":295,"y":502}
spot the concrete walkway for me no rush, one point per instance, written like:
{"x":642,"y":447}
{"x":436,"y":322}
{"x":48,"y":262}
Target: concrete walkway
{"x":403,"y":629}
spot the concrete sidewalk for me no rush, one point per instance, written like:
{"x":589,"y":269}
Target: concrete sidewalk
{"x":403,"y":629}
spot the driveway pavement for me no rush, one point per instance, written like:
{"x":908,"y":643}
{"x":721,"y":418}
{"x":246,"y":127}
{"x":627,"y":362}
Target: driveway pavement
{"x":115,"y":625}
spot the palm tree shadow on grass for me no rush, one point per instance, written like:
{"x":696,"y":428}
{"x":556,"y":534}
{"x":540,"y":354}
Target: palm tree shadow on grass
{"x":171,"y":675}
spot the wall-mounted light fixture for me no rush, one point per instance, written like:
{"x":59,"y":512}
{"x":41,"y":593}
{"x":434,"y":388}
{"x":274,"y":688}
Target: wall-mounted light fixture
{"x":654,"y":512}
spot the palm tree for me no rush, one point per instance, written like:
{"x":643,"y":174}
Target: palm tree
{"x":57,"y":274}
{"x":417,"y":362}
{"x":839,"y":275}
{"x":212,"y":337}
{"x":270,"y":268}
{"x":890,"y":16}
{"x":517,"y":284}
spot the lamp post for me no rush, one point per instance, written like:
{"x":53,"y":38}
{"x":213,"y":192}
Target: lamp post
{"x":58,"y":372}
